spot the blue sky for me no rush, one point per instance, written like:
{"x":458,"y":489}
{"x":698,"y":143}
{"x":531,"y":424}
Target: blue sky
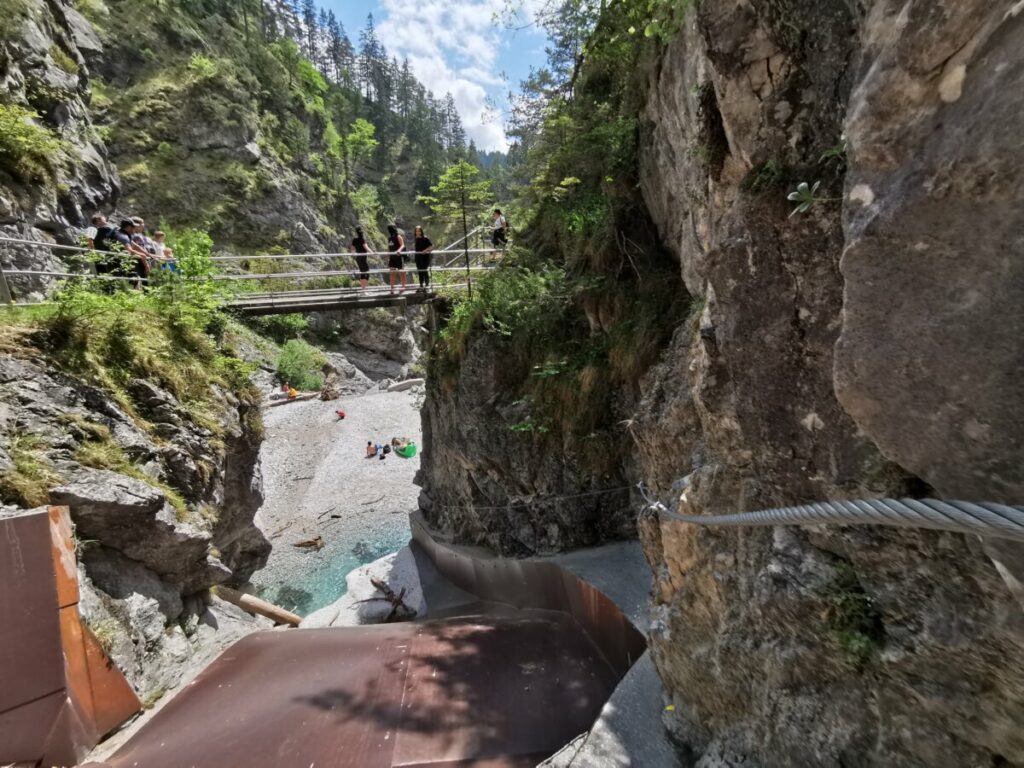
{"x":454,"y":46}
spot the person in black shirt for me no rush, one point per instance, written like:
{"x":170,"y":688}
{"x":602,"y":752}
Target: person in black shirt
{"x":360,"y":247}
{"x":423,"y":250}
{"x":101,"y":238}
{"x":396,"y":244}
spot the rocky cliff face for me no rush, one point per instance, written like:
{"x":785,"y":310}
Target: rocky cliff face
{"x":382,"y":343}
{"x":43,"y":68}
{"x":488,"y":483}
{"x":837,"y":646}
{"x":150,"y":554}
{"x":868,"y":347}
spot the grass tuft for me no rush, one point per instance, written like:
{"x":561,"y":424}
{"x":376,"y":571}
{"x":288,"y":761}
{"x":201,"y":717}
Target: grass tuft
{"x":29,"y":481}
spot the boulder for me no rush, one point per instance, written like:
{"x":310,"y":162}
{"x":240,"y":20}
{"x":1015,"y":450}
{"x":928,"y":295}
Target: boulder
{"x":135,"y":518}
{"x":120,"y":577}
{"x":930,"y":361}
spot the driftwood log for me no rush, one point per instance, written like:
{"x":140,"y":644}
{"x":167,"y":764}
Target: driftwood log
{"x":300,"y":398}
{"x":399,"y":610}
{"x":253,"y":604}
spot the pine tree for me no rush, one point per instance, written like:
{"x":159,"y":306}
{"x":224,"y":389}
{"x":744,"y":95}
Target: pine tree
{"x":457,"y":197}
{"x":309,"y":21}
{"x":339,"y":51}
{"x":370,"y":53}
{"x":455,"y":135}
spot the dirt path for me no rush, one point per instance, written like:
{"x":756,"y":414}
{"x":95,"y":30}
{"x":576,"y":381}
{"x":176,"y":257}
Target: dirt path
{"x":318,"y":483}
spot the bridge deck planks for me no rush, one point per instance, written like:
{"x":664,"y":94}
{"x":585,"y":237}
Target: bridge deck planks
{"x":286,"y":304}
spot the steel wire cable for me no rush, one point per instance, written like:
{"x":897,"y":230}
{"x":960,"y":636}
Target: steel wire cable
{"x":983,"y":519}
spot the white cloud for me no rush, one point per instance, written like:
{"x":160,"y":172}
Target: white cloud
{"x":452,"y":46}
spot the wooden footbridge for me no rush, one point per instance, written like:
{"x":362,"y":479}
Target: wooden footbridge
{"x":321,"y":300}
{"x":290,"y":283}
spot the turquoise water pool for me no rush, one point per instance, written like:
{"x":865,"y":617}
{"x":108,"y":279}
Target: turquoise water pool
{"x":312,"y":580}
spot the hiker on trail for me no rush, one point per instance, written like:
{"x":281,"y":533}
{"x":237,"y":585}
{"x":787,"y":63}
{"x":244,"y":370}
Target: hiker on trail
{"x":424,"y":247}
{"x":499,"y":229}
{"x":396,"y":265}
{"x":90,"y":233}
{"x":360,"y":247}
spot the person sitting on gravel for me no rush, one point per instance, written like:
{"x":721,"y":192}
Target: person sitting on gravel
{"x":371,"y":449}
{"x":403,"y":447}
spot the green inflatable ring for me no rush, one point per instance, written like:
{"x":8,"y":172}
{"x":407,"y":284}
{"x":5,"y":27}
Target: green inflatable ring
{"x":407,"y":452}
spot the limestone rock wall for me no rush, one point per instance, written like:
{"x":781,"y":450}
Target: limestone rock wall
{"x":871,"y":346}
{"x":43,"y":68}
{"x":488,"y":484}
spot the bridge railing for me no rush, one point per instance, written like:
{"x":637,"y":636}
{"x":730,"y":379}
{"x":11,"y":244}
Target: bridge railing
{"x":251,"y":272}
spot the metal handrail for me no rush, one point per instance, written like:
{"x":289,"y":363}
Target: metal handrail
{"x":474,"y":266}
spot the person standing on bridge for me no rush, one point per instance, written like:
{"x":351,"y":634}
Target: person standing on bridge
{"x":499,"y":229}
{"x":396,"y":265}
{"x":360,"y":247}
{"x":424,"y":247}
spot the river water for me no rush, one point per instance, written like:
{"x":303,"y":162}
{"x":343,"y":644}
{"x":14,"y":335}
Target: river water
{"x":318,"y":483}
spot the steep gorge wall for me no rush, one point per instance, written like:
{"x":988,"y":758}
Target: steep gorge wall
{"x":755,"y":632}
{"x":869,"y":347}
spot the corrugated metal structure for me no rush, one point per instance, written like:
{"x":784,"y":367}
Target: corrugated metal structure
{"x":59,"y":692}
{"x":500,"y":683}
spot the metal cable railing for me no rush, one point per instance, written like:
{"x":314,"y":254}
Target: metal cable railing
{"x":981,"y":518}
{"x":476,"y":265}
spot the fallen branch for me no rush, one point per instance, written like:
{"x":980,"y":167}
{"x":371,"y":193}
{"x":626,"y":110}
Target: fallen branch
{"x":317,"y":543}
{"x":322,"y":514}
{"x":399,"y":610}
{"x":282,"y":529}
{"x":307,"y":396}
{"x":365,"y":503}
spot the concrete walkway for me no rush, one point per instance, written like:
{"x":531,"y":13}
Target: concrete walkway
{"x":629,"y":731}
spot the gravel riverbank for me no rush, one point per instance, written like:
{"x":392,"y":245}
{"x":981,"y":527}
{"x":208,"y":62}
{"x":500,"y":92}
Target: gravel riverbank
{"x":318,"y":483}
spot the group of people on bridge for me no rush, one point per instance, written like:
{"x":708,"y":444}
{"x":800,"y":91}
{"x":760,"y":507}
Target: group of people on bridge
{"x":422,"y":248}
{"x":126,"y":250}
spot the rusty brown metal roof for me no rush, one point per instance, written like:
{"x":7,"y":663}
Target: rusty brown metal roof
{"x":499,"y":691}
{"x":59,"y":692}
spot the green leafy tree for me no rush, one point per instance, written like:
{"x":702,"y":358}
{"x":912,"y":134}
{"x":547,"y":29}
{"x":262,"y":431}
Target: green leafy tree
{"x":359,"y":143}
{"x":457,"y":197}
